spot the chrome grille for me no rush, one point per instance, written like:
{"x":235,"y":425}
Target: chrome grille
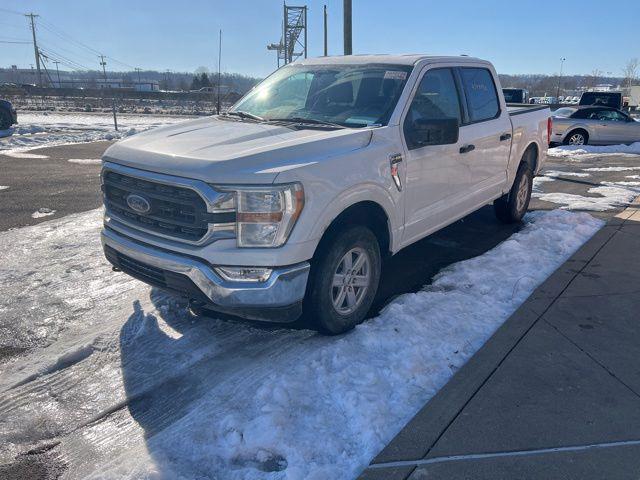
{"x":175,"y":211}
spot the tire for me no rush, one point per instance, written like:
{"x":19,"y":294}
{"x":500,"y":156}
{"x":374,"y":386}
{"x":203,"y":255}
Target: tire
{"x":577,"y":137}
{"x":5,"y":119}
{"x":339,"y":298}
{"x":510,"y":208}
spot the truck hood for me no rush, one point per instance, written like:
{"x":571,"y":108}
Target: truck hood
{"x":232,"y":151}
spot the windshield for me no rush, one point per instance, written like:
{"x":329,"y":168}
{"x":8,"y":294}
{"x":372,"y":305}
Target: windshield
{"x":345,"y":95}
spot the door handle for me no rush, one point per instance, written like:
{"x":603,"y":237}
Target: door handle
{"x":505,"y":136}
{"x":467,"y":148}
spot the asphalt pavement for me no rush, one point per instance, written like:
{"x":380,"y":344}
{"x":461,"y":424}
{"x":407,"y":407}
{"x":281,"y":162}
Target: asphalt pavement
{"x":51,"y":183}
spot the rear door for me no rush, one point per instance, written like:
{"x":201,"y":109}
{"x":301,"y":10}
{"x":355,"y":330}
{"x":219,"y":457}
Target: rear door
{"x":487,"y":133}
{"x":435,"y":175}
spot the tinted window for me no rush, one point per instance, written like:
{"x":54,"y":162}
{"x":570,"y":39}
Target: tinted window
{"x":609,"y":99}
{"x":608,"y":115}
{"x":433,"y":110}
{"x":584,"y":113}
{"x":480,"y":90}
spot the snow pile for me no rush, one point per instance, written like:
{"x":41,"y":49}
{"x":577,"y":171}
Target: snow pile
{"x":557,"y":173}
{"x":85,"y":161}
{"x":14,"y":154}
{"x":146,"y":392}
{"x":610,"y":169}
{"x":327,"y":415}
{"x":42,"y":212}
{"x":608,"y":196}
{"x":44,"y":129}
{"x":538,"y":181}
{"x":584,"y":152}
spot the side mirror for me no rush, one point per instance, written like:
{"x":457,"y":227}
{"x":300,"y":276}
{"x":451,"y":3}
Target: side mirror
{"x":423,"y":132}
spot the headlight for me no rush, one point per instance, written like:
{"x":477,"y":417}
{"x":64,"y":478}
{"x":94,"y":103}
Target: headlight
{"x":266,"y":215}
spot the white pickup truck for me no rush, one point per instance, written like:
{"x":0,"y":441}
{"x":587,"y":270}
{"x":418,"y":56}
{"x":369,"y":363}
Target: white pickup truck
{"x":289,"y":201}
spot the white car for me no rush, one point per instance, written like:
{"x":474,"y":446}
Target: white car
{"x":290,"y":201}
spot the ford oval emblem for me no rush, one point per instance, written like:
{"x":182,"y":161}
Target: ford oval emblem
{"x":138,"y":203}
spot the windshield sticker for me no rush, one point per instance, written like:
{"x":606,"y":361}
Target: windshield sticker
{"x":395,"y":75}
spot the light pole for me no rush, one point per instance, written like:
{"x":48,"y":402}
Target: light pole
{"x":560,"y":77}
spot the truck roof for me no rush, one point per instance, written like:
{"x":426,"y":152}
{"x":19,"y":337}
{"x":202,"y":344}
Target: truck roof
{"x":401,"y":59}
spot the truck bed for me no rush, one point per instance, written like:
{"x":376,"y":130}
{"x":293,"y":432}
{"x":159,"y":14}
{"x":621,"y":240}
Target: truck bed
{"x":519,"y":108}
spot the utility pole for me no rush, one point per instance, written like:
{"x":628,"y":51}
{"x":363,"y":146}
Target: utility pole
{"x":113,"y":99}
{"x":57,"y":72}
{"x":348,"y":41}
{"x":219,"y":67}
{"x":32,"y":18}
{"x":560,"y":78}
{"x":326,"y":50}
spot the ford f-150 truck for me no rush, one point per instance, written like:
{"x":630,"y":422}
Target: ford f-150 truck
{"x":289,"y":201}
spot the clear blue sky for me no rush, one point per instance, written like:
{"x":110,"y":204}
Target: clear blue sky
{"x":519,"y":36}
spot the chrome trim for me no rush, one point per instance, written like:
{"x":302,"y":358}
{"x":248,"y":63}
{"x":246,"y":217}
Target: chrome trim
{"x":210,"y":196}
{"x":285,"y":286}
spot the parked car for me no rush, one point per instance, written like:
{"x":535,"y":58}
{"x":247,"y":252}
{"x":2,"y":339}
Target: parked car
{"x":291,"y":200}
{"x":8,"y":114}
{"x":605,"y":99}
{"x":516,"y":95}
{"x":593,"y":125}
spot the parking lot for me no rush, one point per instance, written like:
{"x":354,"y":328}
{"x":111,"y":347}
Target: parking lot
{"x":101,"y":373}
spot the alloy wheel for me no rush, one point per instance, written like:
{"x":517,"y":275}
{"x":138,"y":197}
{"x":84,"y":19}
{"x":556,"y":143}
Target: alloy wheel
{"x":351,"y":281}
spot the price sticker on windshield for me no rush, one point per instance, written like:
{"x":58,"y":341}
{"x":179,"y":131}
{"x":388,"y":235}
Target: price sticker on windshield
{"x":395,"y":75}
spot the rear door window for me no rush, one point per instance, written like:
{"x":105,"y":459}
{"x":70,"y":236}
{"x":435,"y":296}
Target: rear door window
{"x":480,"y":90}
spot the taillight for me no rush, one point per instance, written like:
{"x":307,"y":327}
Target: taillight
{"x":549,"y":127}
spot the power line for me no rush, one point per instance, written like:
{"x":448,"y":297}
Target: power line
{"x":6,"y":10}
{"x":15,"y":42}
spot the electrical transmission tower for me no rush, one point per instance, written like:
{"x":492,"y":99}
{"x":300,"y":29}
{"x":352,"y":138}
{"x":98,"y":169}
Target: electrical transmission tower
{"x":293,"y":43}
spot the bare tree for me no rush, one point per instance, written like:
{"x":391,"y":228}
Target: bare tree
{"x":630,"y":72}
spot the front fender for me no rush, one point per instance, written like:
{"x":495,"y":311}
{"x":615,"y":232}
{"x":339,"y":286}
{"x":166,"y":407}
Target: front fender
{"x":367,"y":192}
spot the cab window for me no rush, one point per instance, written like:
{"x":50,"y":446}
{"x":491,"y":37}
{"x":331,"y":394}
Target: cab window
{"x":434,"y":113}
{"x":480,"y":90}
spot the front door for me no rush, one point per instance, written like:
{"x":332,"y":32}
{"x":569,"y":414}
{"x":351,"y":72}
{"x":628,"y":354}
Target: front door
{"x":435,"y":172}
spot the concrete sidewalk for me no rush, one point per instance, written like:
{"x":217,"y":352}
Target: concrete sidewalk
{"x":555,"y":393}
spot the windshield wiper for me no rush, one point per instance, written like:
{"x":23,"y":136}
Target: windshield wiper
{"x":242,"y":114}
{"x":308,"y":121}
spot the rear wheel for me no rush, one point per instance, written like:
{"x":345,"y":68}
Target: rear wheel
{"x":344,"y":280}
{"x":510,"y":208}
{"x":577,"y":137}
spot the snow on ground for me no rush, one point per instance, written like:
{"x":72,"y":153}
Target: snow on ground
{"x":14,"y":154}
{"x":133,"y":387}
{"x":557,"y":173}
{"x":606,"y":197}
{"x":44,"y":129}
{"x":3,"y":187}
{"x":42,"y":212}
{"x":538,"y":181}
{"x":585,"y":152}
{"x":610,"y":169}
{"x":632,"y":176}
{"x":85,"y":161}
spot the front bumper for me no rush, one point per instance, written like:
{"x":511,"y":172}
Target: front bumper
{"x":279,"y":299}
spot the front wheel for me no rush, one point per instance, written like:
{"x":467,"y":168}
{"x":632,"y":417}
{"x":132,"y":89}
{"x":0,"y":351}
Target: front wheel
{"x":344,"y":280}
{"x":510,"y":208}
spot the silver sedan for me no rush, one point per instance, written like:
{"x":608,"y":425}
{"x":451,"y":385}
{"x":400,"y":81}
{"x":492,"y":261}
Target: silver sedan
{"x":593,"y":125}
